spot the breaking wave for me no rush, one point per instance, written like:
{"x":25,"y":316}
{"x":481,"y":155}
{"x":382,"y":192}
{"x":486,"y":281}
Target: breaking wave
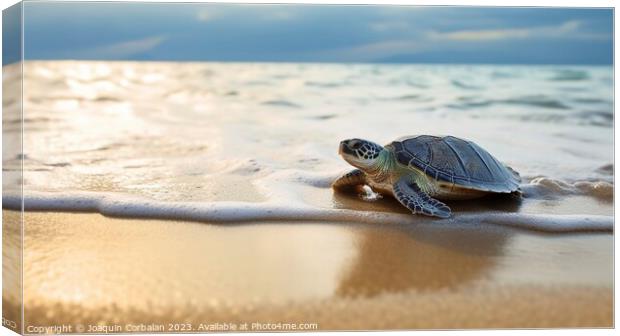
{"x":544,"y":186}
{"x":110,"y":204}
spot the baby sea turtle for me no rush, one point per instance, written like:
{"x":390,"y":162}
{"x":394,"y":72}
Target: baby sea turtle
{"x":418,"y":169}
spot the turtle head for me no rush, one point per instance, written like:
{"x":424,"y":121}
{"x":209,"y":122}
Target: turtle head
{"x":360,"y":153}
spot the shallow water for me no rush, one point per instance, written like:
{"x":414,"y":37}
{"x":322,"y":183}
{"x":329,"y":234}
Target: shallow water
{"x":268,"y":133}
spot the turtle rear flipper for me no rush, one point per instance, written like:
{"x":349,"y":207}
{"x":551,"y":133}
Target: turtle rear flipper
{"x":515,"y":173}
{"x":409,"y":194}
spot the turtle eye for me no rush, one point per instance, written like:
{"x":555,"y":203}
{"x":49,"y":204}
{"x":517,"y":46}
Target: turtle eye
{"x":356,"y":145}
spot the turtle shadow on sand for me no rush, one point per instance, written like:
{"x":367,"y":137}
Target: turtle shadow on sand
{"x":423,"y":258}
{"x":386,"y":203}
{"x":395,"y":259}
{"x":491,"y":202}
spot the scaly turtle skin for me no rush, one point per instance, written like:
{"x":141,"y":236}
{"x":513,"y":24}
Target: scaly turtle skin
{"x":418,"y":169}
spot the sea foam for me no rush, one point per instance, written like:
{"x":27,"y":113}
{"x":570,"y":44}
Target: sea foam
{"x":116,"y":205}
{"x":541,"y":187}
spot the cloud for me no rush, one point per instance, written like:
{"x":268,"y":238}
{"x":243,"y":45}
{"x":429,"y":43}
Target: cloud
{"x":253,"y":32}
{"x":247,"y":12}
{"x":390,"y":26}
{"x":119,"y":50}
{"x":280,"y":15}
{"x":566,"y":29}
{"x":479,"y":35}
{"x":409,"y":40}
{"x":205,"y":15}
{"x":374,"y":50}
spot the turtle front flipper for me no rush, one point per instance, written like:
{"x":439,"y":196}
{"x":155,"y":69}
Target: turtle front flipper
{"x":350,"y":181}
{"x":409,"y":194}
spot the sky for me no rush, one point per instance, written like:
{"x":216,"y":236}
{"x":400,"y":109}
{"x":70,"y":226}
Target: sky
{"x":313,"y":33}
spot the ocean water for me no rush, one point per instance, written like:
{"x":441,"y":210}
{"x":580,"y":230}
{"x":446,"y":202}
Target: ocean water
{"x":244,"y":141}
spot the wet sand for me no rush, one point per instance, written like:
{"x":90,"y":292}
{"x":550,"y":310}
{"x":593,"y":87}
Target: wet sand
{"x":90,"y":269}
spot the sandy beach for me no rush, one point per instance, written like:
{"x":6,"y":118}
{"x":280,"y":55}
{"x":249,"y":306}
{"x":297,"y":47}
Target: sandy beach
{"x":89,"y":269}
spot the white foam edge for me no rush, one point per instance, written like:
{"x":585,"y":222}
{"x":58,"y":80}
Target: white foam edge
{"x":115,"y":205}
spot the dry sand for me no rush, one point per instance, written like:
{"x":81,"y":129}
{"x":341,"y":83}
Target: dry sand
{"x":90,"y":269}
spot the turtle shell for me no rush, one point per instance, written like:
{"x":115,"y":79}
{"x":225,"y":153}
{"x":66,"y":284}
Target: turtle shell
{"x":457,"y":161}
